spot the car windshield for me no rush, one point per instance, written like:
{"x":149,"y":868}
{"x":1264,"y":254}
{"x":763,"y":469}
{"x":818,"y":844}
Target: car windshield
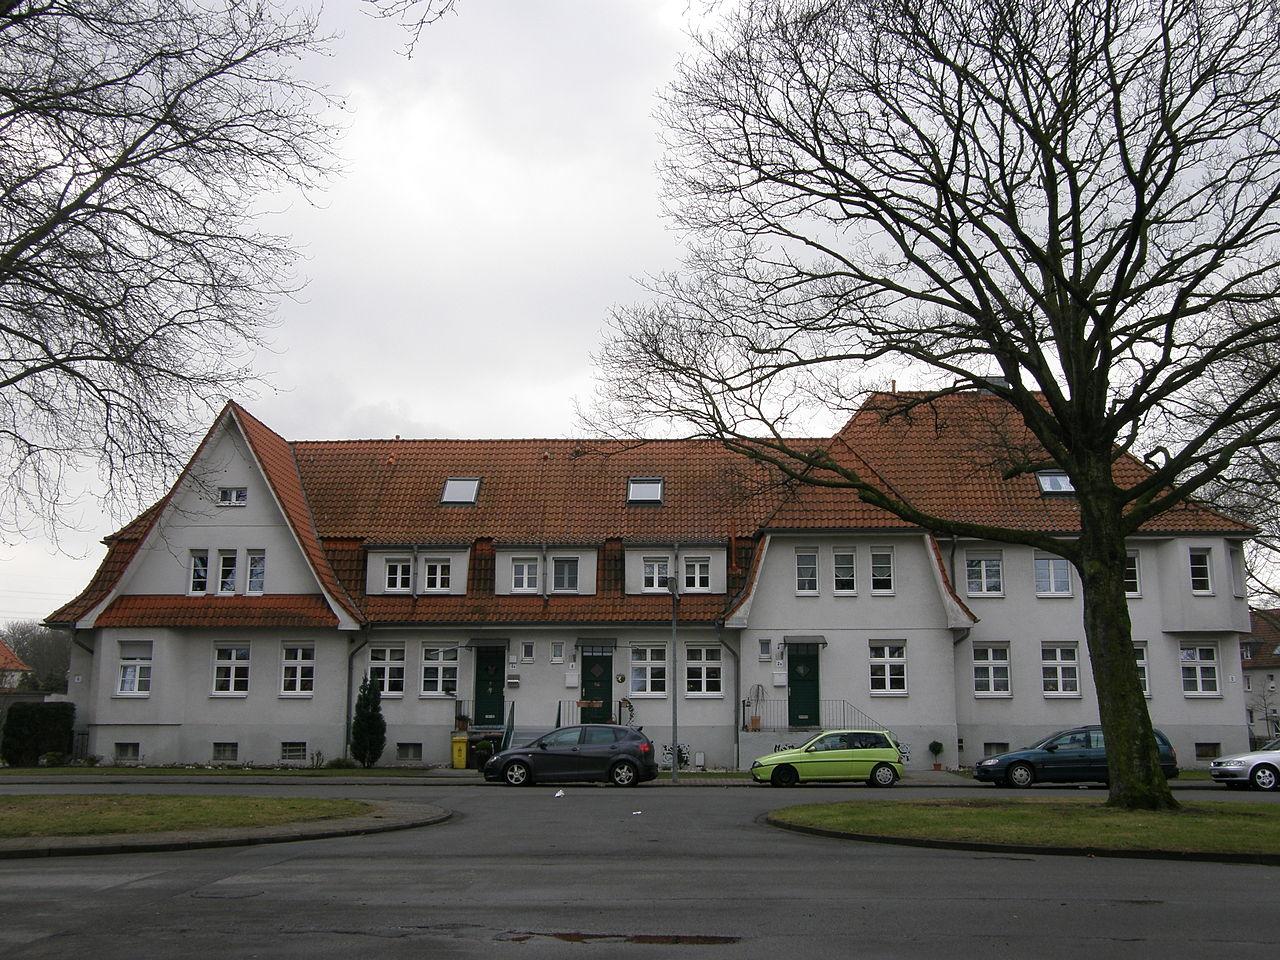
{"x":1271,"y":745}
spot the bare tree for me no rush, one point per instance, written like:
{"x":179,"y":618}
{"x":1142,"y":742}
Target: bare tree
{"x":47,"y":652}
{"x":136,"y":137}
{"x":1077,"y":198}
{"x":414,"y":15}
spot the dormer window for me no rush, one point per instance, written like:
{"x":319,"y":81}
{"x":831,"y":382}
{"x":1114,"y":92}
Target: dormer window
{"x":233,"y":496}
{"x":1054,"y":481}
{"x":460,"y":490}
{"x":644,"y":490}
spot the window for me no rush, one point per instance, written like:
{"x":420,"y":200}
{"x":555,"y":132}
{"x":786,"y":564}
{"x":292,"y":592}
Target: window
{"x":1054,"y":481}
{"x":1208,"y":751}
{"x":888,"y":668}
{"x":291,"y":751}
{"x":1132,"y":575}
{"x":1140,"y":656}
{"x":648,"y":671}
{"x":766,"y":649}
{"x":1201,"y":581}
{"x":644,"y":490}
{"x":460,"y":490}
{"x":1248,"y":683}
{"x":128,"y":752}
{"x":844,"y":565}
{"x":881,"y":570}
{"x":233,"y":496}
{"x":1053,"y":576}
{"x":409,"y":752}
{"x":226,"y":571}
{"x":702,"y":672}
{"x":656,"y":570}
{"x":526,"y":651}
{"x":231,"y":670}
{"x":697,"y":574}
{"x":991,"y":671}
{"x":439,"y":671}
{"x":399,"y":575}
{"x":807,"y":570}
{"x":524,"y":575}
{"x":1199,"y":670}
{"x":564,"y":574}
{"x":226,"y":752}
{"x":983,"y":571}
{"x":1059,"y":670}
{"x":557,"y":651}
{"x":298,"y":670}
{"x":994,"y":748}
{"x":135,"y":669}
{"x":257,"y":572}
{"x":1236,"y":558}
{"x":199,"y":571}
{"x":435,"y":575}
{"x":386,"y":670}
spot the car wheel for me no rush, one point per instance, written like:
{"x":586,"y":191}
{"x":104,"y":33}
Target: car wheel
{"x":1264,"y":777}
{"x":623,"y":774}
{"x":518,"y":774}
{"x":785,"y":777}
{"x":1021,"y":775}
{"x":883,"y":776}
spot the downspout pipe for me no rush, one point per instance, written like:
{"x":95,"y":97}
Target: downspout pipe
{"x":737,"y":694}
{"x":363,"y":636}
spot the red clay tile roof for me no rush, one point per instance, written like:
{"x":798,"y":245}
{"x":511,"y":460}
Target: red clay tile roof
{"x":655,"y":609}
{"x":1265,"y":637}
{"x":10,"y":660}
{"x":273,"y":610}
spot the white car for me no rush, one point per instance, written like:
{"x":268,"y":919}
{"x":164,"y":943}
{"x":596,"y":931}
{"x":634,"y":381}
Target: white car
{"x":1259,"y":768}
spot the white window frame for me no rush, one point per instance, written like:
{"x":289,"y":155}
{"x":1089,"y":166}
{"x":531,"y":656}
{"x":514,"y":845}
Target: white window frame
{"x":231,"y":672}
{"x":703,"y":668}
{"x":645,"y":667}
{"x":651,"y":581}
{"x":557,"y":651}
{"x":463,"y":490}
{"x":986,"y":563}
{"x":233,"y":496}
{"x":1204,"y":672}
{"x":437,"y":574}
{"x":198,"y":573}
{"x":228,"y":572}
{"x":806,"y":571}
{"x":887,"y":668}
{"x":1206,"y":555}
{"x":883,"y":591}
{"x":285,"y":752}
{"x":133,"y":676}
{"x":645,"y":489}
{"x":234,"y":751}
{"x":297,"y":670}
{"x":129,"y":751}
{"x":408,"y":751}
{"x":1144,"y":666}
{"x":697,"y":574}
{"x":524,"y":574}
{"x":255,"y":583}
{"x":397,"y":574}
{"x":1239,"y":575}
{"x":1060,"y":669}
{"x":987,"y":665}
{"x":1054,"y":568}
{"x":1136,"y":557}
{"x":766,"y":649}
{"x":528,"y":651}
{"x":1054,"y":482}
{"x":850,"y":589}
{"x":561,"y":567}
{"x":439,"y":676}
{"x":386,"y":668}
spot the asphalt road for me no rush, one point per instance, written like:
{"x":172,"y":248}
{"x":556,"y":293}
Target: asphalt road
{"x":650,"y":872}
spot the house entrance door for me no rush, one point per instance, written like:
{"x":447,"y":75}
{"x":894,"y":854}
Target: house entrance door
{"x":597,"y":685}
{"x":490,"y":683}
{"x":802,"y":684}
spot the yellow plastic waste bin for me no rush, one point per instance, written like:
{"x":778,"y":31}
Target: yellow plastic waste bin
{"x":460,"y":752}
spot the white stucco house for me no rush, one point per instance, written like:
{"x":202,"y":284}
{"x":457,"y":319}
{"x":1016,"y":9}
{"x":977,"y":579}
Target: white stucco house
{"x":523,"y":583}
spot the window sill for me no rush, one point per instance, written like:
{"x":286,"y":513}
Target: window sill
{"x":883,"y":593}
{"x":1048,"y":695}
{"x":1201,"y":696}
{"x":993,"y":696}
{"x":808,"y":593}
{"x":889,"y":693}
{"x":704,"y":696}
{"x":647,"y":696}
{"x":438,"y":696}
{"x":1133,"y":596}
{"x":393,"y":696}
{"x":984,"y":596}
{"x":398,"y":592}
{"x":229,"y":695}
{"x":1054,"y":596}
{"x":1202,"y":593}
{"x":130,"y":696}
{"x":845,"y":593}
{"x":287,"y":695}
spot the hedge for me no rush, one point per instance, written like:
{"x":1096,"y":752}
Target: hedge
{"x":34,"y":729}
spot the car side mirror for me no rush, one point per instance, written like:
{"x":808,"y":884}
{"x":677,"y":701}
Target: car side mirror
{"x":1051,"y":747}
{"x":542,"y":746}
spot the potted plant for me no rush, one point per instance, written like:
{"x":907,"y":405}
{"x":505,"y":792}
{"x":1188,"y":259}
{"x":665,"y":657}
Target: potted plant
{"x":935,"y":747}
{"x":461,"y":722}
{"x":482,"y":750}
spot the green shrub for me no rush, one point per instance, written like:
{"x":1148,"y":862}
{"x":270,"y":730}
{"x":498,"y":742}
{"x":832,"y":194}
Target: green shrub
{"x":368,"y":728}
{"x":32,"y":730}
{"x":342,"y":763}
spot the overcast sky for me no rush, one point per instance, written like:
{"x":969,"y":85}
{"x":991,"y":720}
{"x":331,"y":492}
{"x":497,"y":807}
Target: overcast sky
{"x":498,"y":197}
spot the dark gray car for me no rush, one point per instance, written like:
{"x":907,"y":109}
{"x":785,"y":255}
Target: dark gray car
{"x":1068,"y":756}
{"x":623,"y":756}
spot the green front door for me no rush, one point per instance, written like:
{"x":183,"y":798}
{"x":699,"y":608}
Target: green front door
{"x":802,"y":684}
{"x":597,"y":685}
{"x":490,"y":683}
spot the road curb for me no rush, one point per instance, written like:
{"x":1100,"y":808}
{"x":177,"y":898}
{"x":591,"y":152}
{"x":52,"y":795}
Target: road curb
{"x":383,"y":818}
{"x":1253,"y":859}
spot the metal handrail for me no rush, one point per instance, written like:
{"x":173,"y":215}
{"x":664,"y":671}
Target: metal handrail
{"x":774,"y":715}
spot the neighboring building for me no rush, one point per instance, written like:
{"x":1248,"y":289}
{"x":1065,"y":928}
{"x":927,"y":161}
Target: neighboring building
{"x":12,"y":669}
{"x":1260,"y":664}
{"x":524,"y":580}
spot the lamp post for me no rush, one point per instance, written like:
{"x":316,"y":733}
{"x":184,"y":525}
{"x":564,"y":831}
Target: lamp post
{"x":673,"y":686}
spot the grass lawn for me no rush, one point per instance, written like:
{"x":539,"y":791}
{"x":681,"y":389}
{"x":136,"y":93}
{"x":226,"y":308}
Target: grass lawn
{"x":62,"y":816}
{"x":214,"y":771}
{"x":1197,"y":827}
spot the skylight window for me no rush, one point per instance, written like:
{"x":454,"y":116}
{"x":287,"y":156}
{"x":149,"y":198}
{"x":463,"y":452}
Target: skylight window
{"x":460,"y":490}
{"x":644,"y":490}
{"x":1054,"y":481}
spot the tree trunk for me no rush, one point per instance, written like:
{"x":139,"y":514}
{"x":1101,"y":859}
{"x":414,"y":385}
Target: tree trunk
{"x":1133,"y":761}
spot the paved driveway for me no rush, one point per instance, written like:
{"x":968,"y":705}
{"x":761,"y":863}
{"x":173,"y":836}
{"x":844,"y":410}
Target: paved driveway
{"x":599,"y":872}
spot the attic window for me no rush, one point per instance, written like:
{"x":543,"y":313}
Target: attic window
{"x":644,"y":490}
{"x":460,"y":490}
{"x":233,"y":496}
{"x":1054,"y":481}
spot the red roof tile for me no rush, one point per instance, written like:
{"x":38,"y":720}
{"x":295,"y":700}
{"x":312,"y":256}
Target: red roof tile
{"x":10,"y":660}
{"x":693,"y":608}
{"x":273,"y":610}
{"x":1265,"y":637}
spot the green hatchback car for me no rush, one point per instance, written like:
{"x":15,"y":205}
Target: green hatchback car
{"x":870,"y":755}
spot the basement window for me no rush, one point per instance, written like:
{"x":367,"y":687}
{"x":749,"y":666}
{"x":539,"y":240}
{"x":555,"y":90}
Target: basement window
{"x":644,"y":490}
{"x":460,"y":490}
